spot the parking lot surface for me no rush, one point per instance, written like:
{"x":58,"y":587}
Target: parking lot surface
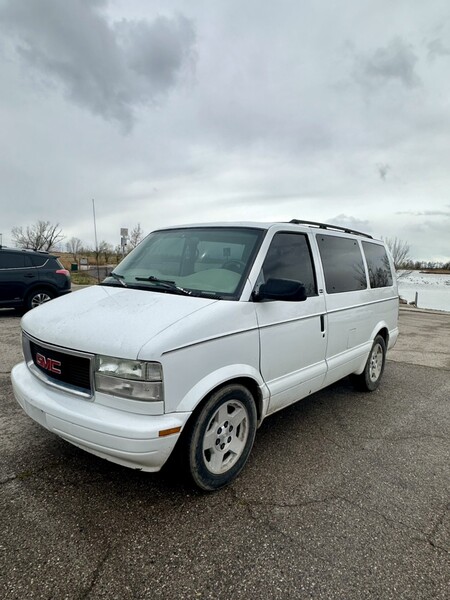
{"x":345,"y":496}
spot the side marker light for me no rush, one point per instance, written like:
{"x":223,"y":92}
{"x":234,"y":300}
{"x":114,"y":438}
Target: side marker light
{"x":165,"y":432}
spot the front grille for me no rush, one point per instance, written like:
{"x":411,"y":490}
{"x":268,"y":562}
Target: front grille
{"x":62,"y":368}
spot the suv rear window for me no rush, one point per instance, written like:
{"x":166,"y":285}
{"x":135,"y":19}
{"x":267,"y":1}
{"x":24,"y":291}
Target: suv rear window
{"x":38,"y":261}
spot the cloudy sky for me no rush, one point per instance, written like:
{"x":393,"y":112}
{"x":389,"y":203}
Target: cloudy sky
{"x":170,"y":112}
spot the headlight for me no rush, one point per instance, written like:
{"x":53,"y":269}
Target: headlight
{"x":134,"y":379}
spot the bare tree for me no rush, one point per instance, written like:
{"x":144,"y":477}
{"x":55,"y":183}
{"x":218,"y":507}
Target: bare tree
{"x":86,"y":250}
{"x":105,"y":249}
{"x":118,"y":253}
{"x":74,"y":246}
{"x":136,"y":236}
{"x":399,"y":250}
{"x":42,"y":235}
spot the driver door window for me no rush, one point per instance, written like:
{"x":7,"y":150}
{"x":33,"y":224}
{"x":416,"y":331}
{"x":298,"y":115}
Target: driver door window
{"x":289,"y":257}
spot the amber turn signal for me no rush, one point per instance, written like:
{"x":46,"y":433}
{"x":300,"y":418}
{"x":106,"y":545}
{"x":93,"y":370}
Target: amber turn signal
{"x":165,"y":432}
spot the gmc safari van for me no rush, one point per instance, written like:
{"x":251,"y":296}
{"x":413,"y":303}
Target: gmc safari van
{"x":200,"y":333}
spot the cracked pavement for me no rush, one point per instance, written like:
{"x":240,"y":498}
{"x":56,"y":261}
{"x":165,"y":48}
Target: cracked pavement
{"x":346,"y":495}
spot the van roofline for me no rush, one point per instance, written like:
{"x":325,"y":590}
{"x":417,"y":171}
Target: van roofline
{"x":268,"y":225}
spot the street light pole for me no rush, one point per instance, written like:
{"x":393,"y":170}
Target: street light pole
{"x":96,"y":242}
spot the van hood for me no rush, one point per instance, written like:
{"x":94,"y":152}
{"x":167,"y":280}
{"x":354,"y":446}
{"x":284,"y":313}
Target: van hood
{"x":109,"y":320}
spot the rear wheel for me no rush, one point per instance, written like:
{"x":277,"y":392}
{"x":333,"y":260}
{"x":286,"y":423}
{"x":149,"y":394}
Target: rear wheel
{"x":370,"y":378}
{"x":221,"y":438}
{"x":38,"y":297}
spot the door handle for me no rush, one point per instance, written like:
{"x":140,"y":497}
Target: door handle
{"x":30,"y":275}
{"x":322,"y":324}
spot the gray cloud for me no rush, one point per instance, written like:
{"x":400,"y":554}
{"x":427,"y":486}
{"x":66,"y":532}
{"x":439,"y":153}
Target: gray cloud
{"x":383,"y":169}
{"x":263,"y":134}
{"x":425,"y":213}
{"x":350,"y":222}
{"x":395,"y":62}
{"x":436,"y":48}
{"x":110,"y":69}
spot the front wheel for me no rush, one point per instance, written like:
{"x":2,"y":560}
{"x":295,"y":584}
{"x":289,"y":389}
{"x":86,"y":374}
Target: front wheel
{"x":370,"y":378}
{"x":221,"y":438}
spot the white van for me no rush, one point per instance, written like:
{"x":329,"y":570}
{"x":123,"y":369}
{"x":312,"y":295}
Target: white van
{"x":200,"y":333}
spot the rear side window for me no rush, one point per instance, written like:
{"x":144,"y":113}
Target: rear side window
{"x":38,"y":261}
{"x":380,"y":274}
{"x":289,"y":257}
{"x":343,"y":264}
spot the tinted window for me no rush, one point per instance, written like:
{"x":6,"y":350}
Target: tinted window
{"x":342,"y":264}
{"x":38,"y":261}
{"x":10,"y":260}
{"x":378,"y":264}
{"x":289,"y":257}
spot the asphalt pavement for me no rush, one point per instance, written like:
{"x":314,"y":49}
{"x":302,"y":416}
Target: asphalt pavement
{"x":345,"y":496}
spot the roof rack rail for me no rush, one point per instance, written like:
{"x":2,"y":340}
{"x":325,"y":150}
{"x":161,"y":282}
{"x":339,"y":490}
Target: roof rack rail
{"x":328,"y":226}
{"x":33,"y":250}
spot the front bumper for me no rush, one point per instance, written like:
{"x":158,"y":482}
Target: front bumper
{"x":125,"y":438}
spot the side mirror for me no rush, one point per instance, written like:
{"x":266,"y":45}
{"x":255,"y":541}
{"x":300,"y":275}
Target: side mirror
{"x":286,"y":290}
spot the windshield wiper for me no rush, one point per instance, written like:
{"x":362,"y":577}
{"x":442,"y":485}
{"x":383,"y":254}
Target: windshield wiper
{"x":213,"y":295}
{"x":117,"y":277}
{"x":169,"y":285}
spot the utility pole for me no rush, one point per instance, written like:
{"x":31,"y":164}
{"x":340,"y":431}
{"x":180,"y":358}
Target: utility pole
{"x":96,"y":242}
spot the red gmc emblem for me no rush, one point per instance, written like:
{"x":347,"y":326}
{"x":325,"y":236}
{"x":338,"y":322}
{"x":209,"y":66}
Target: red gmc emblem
{"x":48,"y":363}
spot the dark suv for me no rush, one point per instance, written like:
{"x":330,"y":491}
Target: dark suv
{"x":29,"y":278}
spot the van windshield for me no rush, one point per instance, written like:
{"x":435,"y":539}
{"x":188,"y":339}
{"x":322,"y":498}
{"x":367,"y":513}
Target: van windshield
{"x":203,"y":261}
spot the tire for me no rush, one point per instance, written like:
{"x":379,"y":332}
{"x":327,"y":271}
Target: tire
{"x":38,"y":297}
{"x":220,"y":438}
{"x":370,"y":378}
